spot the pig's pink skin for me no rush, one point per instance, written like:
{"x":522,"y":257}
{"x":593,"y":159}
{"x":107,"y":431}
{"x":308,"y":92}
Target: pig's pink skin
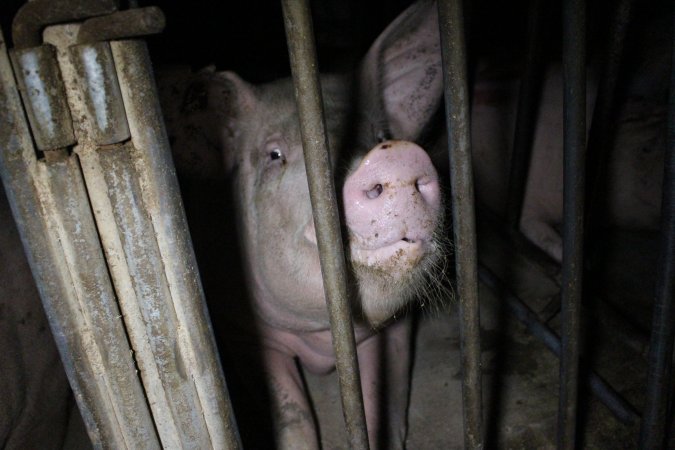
{"x":391,"y":202}
{"x":391,"y":347}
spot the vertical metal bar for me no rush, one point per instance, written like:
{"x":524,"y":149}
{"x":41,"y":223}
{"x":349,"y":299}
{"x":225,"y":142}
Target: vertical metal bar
{"x":528,"y":99}
{"x":134,"y":195}
{"x":574,"y":67}
{"x":600,"y":131}
{"x":49,"y":204}
{"x":653,"y":432}
{"x":300,"y":37}
{"x":161,"y":195}
{"x":451,"y":22}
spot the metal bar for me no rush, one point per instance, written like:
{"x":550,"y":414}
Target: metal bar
{"x":612,"y":399}
{"x":653,"y":432}
{"x":302,"y":52}
{"x":44,"y":98}
{"x":49,"y":204}
{"x":122,"y":24}
{"x":574,"y":68}
{"x":101,"y":331}
{"x":159,"y":348}
{"x":161,"y":195}
{"x":461,"y":179}
{"x":599,"y":136}
{"x":134,"y":195}
{"x":35,"y":15}
{"x":528,"y":100}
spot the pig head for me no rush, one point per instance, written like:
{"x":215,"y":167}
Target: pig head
{"x":390,"y":202}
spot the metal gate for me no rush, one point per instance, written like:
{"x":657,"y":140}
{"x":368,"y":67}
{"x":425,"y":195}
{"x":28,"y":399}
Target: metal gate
{"x":100,"y":215}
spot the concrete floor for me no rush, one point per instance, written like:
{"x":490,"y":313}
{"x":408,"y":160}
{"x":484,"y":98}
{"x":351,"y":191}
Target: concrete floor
{"x":520,"y":375}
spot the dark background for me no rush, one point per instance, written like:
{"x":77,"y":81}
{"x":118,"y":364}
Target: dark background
{"x":248,"y":36}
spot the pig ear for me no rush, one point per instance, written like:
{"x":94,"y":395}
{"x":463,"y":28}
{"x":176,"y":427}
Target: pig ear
{"x":400,"y":80}
{"x":205,"y":122}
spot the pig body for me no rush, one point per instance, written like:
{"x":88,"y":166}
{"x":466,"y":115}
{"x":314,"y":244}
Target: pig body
{"x":634,"y":169}
{"x":391,"y":206}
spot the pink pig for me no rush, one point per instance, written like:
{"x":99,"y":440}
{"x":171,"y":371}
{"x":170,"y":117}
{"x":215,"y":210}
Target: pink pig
{"x":391,"y":202}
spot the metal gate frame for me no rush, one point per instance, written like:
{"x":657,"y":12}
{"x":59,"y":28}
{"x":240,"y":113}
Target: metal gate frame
{"x":102,"y":223}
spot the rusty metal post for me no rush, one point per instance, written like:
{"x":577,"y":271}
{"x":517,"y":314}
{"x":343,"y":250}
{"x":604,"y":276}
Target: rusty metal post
{"x":451,"y":21}
{"x":300,"y":37}
{"x":161,"y":195}
{"x":574,"y":67}
{"x":654,"y":430}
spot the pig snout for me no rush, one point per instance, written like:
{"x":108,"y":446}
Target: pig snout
{"x":392,"y":204}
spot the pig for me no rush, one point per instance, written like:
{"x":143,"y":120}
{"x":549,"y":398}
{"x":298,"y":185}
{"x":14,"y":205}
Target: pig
{"x":220,"y":124}
{"x":391,"y":206}
{"x":634,"y":171}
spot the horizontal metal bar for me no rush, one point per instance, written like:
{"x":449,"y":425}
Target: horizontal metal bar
{"x":33,"y":16}
{"x":300,"y":37}
{"x":458,"y":122}
{"x":122,"y":24}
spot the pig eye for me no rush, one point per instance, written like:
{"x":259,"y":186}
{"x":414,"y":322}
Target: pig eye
{"x":276,"y":154}
{"x":275,"y":150}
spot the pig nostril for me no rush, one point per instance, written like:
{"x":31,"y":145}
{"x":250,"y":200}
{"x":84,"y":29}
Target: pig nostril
{"x":374,"y":192}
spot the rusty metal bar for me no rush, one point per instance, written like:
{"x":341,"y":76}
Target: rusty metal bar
{"x":574,"y":145}
{"x":302,"y":51}
{"x":49,"y":204}
{"x":451,"y":21}
{"x":528,"y":100}
{"x":654,"y":429}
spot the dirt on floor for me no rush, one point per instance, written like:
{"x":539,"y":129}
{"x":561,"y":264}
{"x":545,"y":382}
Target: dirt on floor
{"x":520,"y":375}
